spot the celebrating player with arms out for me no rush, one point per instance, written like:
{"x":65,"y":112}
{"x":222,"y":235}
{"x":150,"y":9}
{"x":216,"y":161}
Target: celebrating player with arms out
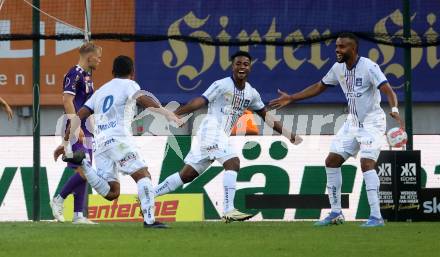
{"x":78,"y":88}
{"x":362,"y":81}
{"x":227,"y":99}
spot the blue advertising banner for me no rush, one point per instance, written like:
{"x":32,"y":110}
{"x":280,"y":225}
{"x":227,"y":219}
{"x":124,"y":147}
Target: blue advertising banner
{"x":178,"y":70}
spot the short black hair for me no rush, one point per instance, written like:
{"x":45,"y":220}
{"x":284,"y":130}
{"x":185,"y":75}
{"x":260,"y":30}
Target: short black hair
{"x":241,"y":53}
{"x":122,"y":66}
{"x":350,"y":36}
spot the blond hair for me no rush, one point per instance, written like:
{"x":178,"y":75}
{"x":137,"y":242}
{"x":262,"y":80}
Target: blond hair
{"x":89,"y":47}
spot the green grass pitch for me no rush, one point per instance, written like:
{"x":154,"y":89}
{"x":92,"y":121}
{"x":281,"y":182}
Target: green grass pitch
{"x":210,"y":239}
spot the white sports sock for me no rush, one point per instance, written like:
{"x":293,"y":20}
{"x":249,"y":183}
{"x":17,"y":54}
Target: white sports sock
{"x":229,"y":183}
{"x":78,"y":215}
{"x":58,"y":199}
{"x":372,"y":184}
{"x":334,"y":184}
{"x":98,"y":183}
{"x":170,"y":184}
{"x":146,"y":197}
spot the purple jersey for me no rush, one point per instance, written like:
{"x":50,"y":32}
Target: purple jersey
{"x":78,"y":82}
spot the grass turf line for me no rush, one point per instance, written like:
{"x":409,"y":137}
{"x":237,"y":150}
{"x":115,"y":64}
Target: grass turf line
{"x":218,"y":239}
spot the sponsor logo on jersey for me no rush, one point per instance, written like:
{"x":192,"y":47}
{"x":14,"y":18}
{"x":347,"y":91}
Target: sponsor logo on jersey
{"x":353,"y":94}
{"x":126,"y":159}
{"x":212,"y":147}
{"x":111,"y":124}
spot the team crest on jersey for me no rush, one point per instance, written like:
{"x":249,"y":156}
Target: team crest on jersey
{"x":228,"y":97}
{"x":128,"y":158}
{"x":358,"y":82}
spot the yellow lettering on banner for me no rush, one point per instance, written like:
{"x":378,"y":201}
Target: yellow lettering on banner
{"x":243,"y":37}
{"x":208,"y":53}
{"x":388,"y":52}
{"x":271,"y":36}
{"x":432,"y":36}
{"x":315,"y":57}
{"x":289,"y":51}
{"x":188,"y":73}
{"x":180,"y":50}
{"x":416,"y":53}
{"x":223,"y":36}
{"x":394,"y":69}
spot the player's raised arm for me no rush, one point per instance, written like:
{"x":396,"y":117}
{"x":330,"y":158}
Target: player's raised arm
{"x":386,"y":89}
{"x":6,"y":107}
{"x":192,"y":106}
{"x":278,"y":127}
{"x":151,"y":104}
{"x":308,"y":92}
{"x":213,"y":91}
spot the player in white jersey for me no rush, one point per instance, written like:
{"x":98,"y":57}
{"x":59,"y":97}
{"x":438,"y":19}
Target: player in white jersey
{"x":227,"y":99}
{"x":362,"y":81}
{"x":112,"y":107}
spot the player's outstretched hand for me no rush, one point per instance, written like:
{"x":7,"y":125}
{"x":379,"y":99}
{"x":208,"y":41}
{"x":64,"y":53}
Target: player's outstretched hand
{"x":396,"y":116}
{"x":296,"y":140}
{"x":174,"y":118}
{"x":281,"y":101}
{"x":58,"y":151}
{"x":81,"y":136}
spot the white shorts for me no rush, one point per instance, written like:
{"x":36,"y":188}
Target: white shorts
{"x":204,"y":152}
{"x":366,"y":139}
{"x":121,"y":157}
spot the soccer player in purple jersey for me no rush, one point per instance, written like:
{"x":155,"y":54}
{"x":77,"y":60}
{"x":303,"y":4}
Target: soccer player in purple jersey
{"x":78,"y":88}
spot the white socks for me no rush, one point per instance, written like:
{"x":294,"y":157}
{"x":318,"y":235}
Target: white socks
{"x":98,"y":183}
{"x":372,"y":184}
{"x":146,"y":197}
{"x":334,"y":184}
{"x":170,"y":184}
{"x":58,"y":199}
{"x":229,"y":182}
{"x":78,"y":215}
